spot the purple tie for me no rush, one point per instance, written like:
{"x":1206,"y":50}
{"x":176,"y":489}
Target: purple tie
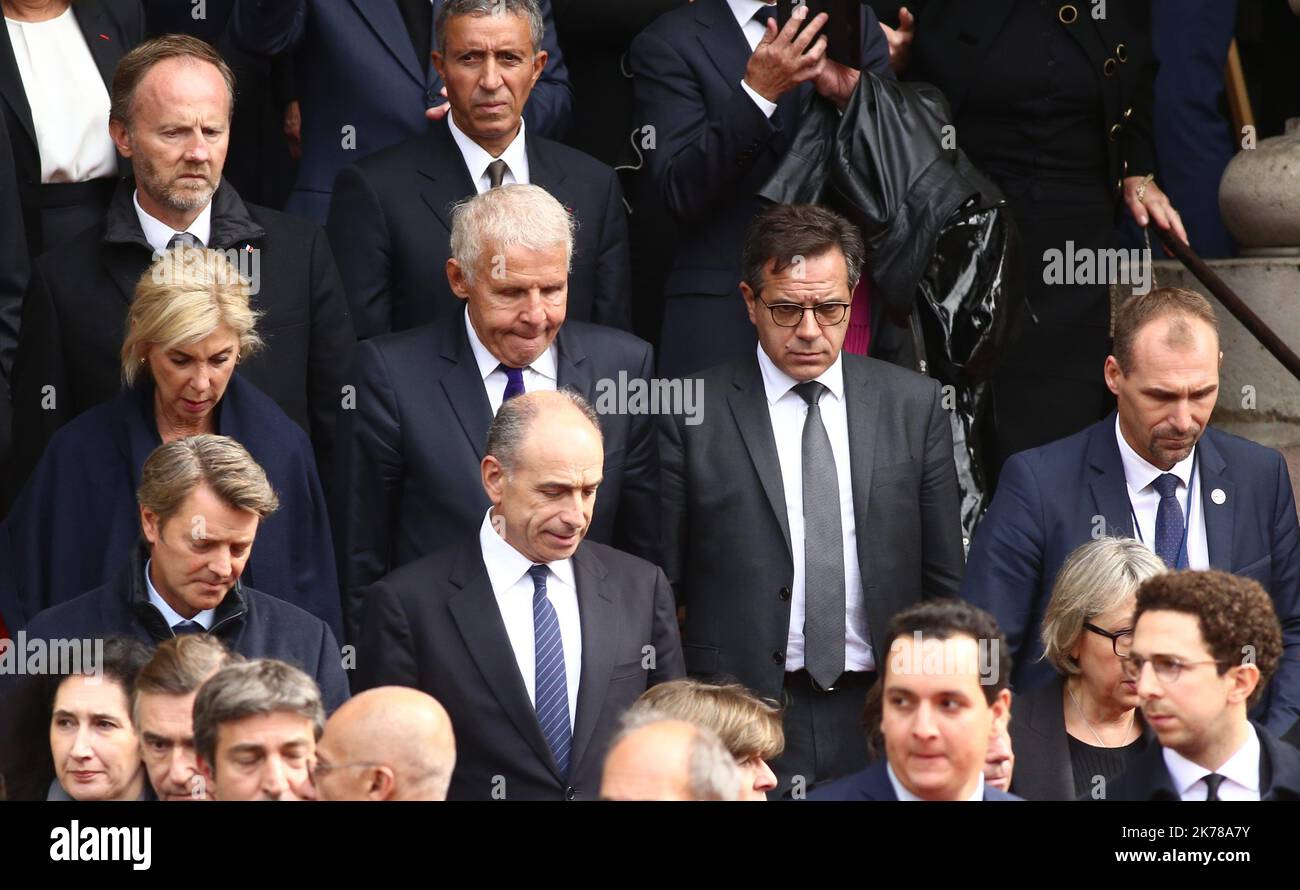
{"x":514,"y":382}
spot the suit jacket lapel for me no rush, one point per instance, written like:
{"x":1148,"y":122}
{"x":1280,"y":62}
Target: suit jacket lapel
{"x":862,"y":405}
{"x":474,"y":609}
{"x":446,"y":179}
{"x":573,"y":369}
{"x":1106,"y":479}
{"x":385,"y":19}
{"x":598,"y":619}
{"x":462,"y":384}
{"x":749,"y":406}
{"x":99,"y":31}
{"x":723,"y":40}
{"x":1219,"y":518}
{"x":540,"y":169}
{"x":11,"y":87}
{"x":976,"y":25}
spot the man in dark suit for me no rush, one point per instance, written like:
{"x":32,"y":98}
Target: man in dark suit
{"x":944,"y":699}
{"x":533,"y":640}
{"x":719,"y":94}
{"x":391,"y":213}
{"x":172,"y":101}
{"x":425,"y":397}
{"x":366,"y":80}
{"x":791,"y":550}
{"x":1154,"y":470}
{"x":201,"y":502}
{"x":1205,"y":645}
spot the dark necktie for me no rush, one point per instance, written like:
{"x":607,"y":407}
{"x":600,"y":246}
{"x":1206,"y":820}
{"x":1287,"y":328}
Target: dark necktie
{"x":551,"y":695}
{"x":183,"y":238}
{"x":496,"y":173}
{"x":764,"y":15}
{"x":514,"y":383}
{"x":187,"y":627}
{"x":1169,"y":520}
{"x":823,"y":547}
{"x":1212,"y":783}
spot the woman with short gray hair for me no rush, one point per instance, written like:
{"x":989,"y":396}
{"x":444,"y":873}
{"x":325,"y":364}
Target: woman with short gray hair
{"x":1079,"y":732}
{"x":75,"y":525}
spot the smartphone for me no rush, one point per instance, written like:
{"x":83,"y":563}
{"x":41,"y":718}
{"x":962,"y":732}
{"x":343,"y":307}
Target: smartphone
{"x":843,"y":28}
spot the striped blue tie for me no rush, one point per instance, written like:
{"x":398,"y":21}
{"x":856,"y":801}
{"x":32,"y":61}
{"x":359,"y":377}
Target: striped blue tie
{"x":552,"y":692}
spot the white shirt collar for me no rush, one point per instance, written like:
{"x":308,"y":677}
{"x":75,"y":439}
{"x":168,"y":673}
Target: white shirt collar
{"x":477,"y":159}
{"x":778,"y":383}
{"x":158,"y":233}
{"x":903,"y":794}
{"x":545,"y":364}
{"x":744,"y":10}
{"x":506,"y":565}
{"x":170,"y":615}
{"x":1139,"y":472}
{"x":1241,"y":768}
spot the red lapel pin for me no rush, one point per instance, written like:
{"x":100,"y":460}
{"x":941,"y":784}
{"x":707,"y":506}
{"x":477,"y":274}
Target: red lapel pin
{"x":103,"y":37}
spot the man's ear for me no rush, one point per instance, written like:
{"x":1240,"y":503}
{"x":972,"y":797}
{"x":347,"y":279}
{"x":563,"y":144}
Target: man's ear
{"x":208,"y":772}
{"x":150,"y":526}
{"x":1245,"y":678}
{"x":1001,"y":712}
{"x":1113,"y":373}
{"x":383,"y":784}
{"x":439,"y":65}
{"x":539,"y":63}
{"x":494,"y":478}
{"x":121,"y":137}
{"x":750,"y":298}
{"x":457,"y":278}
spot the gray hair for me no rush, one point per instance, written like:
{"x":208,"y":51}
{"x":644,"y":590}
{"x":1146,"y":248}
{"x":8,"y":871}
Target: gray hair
{"x":714,"y":773}
{"x":529,"y":9}
{"x":1097,"y":577}
{"x":510,"y":427}
{"x":509,"y":216}
{"x":249,"y":689}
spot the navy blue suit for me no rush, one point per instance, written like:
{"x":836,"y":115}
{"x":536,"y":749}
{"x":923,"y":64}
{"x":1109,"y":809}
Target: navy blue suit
{"x":873,"y":783}
{"x":72,"y":527}
{"x":1148,"y":778}
{"x":357,"y":69}
{"x":713,"y":150}
{"x":1056,"y":497}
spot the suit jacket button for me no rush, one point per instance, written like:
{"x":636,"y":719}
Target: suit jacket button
{"x":785,"y":593}
{"x":570,"y":793}
{"x":778,"y":657}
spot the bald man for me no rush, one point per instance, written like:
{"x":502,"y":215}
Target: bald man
{"x":390,"y":743}
{"x":661,"y":758}
{"x":535,"y":639}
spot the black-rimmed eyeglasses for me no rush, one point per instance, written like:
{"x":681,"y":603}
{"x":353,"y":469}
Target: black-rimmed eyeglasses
{"x":790,"y":315}
{"x":1120,"y":640}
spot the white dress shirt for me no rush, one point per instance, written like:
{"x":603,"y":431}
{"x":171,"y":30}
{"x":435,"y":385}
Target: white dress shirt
{"x":541,"y":374}
{"x":68,"y":99}
{"x":903,"y":794}
{"x":744,"y":11}
{"x":477,"y":159}
{"x":507,"y":570}
{"x":158,"y":233}
{"x":170,"y":615}
{"x":1145,"y":500}
{"x":1240,"y":773}
{"x":787,"y":410}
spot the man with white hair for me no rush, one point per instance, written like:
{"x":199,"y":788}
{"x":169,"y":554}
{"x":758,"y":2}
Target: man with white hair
{"x":656,"y":757}
{"x":425,"y":398}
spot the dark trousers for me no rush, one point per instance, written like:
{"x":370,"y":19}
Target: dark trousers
{"x":824,"y":734}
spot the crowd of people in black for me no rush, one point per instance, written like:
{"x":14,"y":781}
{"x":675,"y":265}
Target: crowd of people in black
{"x":527,"y":453}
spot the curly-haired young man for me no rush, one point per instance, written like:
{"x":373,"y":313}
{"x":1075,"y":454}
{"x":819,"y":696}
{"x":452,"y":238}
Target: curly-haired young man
{"x":1205,"y":644}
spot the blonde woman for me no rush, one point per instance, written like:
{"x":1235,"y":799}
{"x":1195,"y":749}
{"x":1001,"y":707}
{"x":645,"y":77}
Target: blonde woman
{"x":1081,"y":731}
{"x":76,"y":526}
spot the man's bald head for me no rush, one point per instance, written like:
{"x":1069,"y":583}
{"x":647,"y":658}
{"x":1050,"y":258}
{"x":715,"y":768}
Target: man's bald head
{"x":390,"y":743}
{"x":659,"y":758}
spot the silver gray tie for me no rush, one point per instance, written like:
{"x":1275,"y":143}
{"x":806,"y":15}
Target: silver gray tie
{"x":823,"y":547}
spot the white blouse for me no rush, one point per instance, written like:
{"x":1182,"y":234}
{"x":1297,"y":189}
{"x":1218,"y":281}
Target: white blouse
{"x":68,"y":99}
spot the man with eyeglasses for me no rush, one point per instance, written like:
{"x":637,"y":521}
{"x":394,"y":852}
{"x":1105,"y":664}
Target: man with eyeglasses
{"x":1205,"y":645}
{"x":814,"y":499}
{"x":389,"y":743}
